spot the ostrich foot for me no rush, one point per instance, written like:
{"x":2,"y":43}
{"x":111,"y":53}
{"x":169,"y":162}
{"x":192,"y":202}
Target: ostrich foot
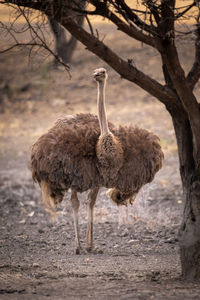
{"x":77,"y":250}
{"x":89,"y":249}
{"x":94,"y":250}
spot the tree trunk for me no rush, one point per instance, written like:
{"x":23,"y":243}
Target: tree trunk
{"x":189,"y":233}
{"x":64,"y":48}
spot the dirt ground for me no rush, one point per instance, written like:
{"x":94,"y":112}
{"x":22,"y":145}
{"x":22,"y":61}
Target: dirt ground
{"x":140,"y":254}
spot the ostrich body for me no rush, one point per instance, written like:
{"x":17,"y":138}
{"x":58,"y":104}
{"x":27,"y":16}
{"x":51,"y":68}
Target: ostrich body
{"x":85,"y":152}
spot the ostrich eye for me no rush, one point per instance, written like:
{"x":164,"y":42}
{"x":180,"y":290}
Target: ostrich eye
{"x":118,"y":196}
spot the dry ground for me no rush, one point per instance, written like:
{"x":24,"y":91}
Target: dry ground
{"x":140,"y":256}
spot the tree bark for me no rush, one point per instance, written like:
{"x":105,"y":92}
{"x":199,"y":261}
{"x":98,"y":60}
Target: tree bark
{"x":187,"y":128}
{"x":189,"y":233}
{"x":185,"y":94}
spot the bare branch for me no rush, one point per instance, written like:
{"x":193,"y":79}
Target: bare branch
{"x":19,"y":45}
{"x":90,"y":25}
{"x":155,"y":10}
{"x":128,"y":29}
{"x":130,"y":16}
{"x":100,"y":49}
{"x":33,"y":45}
{"x":36,"y":40}
{"x":194,"y":74}
{"x":185,"y":10}
{"x":122,"y":67}
{"x":131,"y":30}
{"x":39,"y":5}
{"x":43,"y":43}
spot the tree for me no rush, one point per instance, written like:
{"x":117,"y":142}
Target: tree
{"x":153,"y":24}
{"x":64,"y":48}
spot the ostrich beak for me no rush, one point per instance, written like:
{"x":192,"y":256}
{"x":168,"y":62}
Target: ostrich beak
{"x":95,"y":74}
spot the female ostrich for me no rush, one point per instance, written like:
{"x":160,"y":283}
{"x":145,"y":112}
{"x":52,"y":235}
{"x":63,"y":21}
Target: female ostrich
{"x":85,"y":152}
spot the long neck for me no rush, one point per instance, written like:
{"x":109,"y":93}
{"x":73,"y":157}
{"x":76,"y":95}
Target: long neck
{"x":101,"y":108}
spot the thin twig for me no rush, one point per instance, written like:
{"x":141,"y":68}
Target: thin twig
{"x":186,"y":10}
{"x":44,"y":44}
{"x":90,"y":25}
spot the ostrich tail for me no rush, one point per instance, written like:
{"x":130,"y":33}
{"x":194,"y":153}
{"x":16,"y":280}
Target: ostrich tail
{"x":48,"y":201}
{"x":120,"y":198}
{"x":116,"y":197}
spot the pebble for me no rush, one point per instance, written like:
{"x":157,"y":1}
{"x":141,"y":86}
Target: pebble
{"x":35,"y":265}
{"x":133,"y":241}
{"x":125,"y":232}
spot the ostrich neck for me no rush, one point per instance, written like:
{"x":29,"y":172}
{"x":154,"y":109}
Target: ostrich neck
{"x":101,"y":108}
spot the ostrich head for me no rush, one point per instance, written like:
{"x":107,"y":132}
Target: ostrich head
{"x":121,"y":198}
{"x":100,"y":75}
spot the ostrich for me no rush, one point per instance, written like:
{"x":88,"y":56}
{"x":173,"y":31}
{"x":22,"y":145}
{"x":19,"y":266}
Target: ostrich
{"x":85,"y":152}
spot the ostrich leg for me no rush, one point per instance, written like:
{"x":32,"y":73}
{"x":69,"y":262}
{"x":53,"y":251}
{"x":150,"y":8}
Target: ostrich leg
{"x":91,"y":202}
{"x":75,"y":206}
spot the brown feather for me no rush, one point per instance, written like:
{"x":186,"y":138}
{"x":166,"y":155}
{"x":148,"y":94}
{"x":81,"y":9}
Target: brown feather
{"x":110,"y":157}
{"x":68,"y":156}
